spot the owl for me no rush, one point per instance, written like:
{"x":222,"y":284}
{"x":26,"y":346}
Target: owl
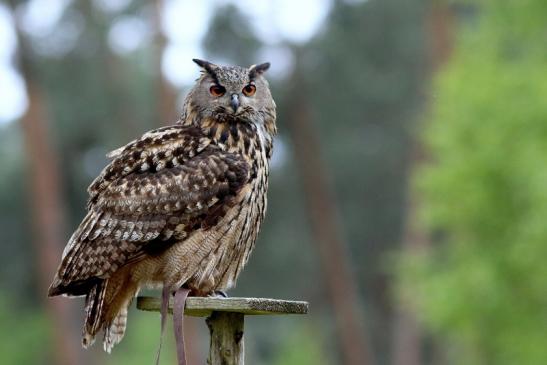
{"x":179,"y":207}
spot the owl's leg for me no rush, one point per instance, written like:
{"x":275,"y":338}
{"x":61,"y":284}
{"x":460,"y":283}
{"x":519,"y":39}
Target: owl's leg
{"x":165,"y":295}
{"x":178,"y":323}
{"x":178,"y":316}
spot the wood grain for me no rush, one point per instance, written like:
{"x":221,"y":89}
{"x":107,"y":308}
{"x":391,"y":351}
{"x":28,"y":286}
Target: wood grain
{"x":227,"y":343}
{"x":204,"y":306}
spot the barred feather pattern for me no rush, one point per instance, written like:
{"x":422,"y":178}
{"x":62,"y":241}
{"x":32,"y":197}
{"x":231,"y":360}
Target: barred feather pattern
{"x":115,"y":331}
{"x":180,"y":206}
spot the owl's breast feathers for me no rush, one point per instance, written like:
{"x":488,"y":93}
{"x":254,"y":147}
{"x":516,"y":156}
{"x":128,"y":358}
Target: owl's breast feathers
{"x":156,"y":191}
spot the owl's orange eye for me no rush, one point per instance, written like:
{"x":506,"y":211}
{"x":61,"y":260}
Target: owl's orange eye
{"x":249,"y":90}
{"x":217,"y":90}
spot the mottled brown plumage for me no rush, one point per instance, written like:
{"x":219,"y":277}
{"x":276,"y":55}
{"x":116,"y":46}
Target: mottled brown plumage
{"x":180,"y":206}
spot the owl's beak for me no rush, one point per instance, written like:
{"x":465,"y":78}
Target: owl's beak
{"x":234,"y":102}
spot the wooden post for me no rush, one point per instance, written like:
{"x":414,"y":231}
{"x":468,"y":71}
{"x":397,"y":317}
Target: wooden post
{"x":225,"y":319}
{"x":227,"y":344}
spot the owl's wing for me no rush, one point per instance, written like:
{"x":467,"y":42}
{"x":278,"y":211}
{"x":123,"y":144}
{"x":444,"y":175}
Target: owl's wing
{"x":151,"y":195}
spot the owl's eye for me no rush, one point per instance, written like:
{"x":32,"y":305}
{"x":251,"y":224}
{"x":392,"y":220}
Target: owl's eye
{"x":249,"y":90}
{"x":217,"y":90}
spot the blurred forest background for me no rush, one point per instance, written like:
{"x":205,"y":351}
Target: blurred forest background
{"x":408,"y":197}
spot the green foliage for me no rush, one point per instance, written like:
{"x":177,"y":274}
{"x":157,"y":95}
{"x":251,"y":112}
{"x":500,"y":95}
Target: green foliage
{"x":485,"y":194}
{"x":141,"y":342}
{"x":22,"y":329}
{"x":302,"y":347}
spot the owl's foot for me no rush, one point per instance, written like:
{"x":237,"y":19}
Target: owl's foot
{"x":219,"y":294}
{"x":206,"y":293}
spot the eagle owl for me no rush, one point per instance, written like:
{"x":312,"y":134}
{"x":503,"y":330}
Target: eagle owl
{"x":179,"y":207}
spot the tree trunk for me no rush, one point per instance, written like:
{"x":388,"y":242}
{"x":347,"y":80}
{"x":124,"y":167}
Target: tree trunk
{"x":165,"y":94}
{"x":48,"y":222}
{"x":408,"y":335}
{"x":341,"y":286}
{"x":227,"y":344}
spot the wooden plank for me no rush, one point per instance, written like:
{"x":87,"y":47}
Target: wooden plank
{"x":204,"y":306}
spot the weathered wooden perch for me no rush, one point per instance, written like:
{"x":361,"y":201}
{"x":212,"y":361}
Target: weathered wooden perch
{"x":225,"y":319}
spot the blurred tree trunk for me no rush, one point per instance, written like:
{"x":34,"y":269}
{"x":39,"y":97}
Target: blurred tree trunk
{"x":48,"y":221}
{"x":165,"y":93}
{"x":351,"y":335}
{"x":408,"y":336}
{"x":46,"y":205}
{"x":407,"y":333}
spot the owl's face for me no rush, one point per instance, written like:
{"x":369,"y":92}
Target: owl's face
{"x":231,"y":92}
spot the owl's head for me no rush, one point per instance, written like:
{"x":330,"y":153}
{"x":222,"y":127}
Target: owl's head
{"x":231,"y":92}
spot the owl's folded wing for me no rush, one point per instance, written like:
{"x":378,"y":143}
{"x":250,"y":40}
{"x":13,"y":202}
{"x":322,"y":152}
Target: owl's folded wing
{"x":162,"y":198}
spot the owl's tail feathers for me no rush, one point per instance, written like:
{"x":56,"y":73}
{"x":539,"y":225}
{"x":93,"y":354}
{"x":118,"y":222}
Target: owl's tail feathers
{"x":55,"y":288}
{"x":58,"y":287}
{"x":115,"y":331}
{"x":94,"y":302}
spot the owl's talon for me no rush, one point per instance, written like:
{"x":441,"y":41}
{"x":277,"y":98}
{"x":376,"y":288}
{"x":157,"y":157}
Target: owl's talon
{"x":219,"y":294}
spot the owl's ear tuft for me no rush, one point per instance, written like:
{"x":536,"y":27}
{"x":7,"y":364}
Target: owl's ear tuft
{"x":208,"y":67}
{"x":204,"y":64}
{"x":255,"y":70}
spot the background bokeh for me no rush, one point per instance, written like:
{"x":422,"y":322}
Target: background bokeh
{"x":408,"y":196}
